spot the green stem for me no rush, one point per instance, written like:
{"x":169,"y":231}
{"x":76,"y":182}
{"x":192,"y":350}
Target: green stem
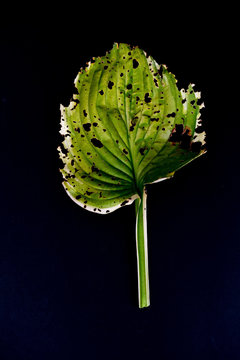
{"x":142,"y":250}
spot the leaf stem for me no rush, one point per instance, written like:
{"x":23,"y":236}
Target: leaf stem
{"x":142,"y":250}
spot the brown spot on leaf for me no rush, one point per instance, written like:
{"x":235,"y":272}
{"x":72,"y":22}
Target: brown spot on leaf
{"x":97,"y":143}
{"x":181,"y":135}
{"x":94,"y":168}
{"x":110,"y":84}
{"x":133,"y":123}
{"x":141,"y":150}
{"x":135,"y":63}
{"x":87,"y":126}
{"x":147,"y":98}
{"x":173,"y":114}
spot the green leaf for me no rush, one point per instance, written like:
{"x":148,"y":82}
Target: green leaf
{"x":126,"y":126}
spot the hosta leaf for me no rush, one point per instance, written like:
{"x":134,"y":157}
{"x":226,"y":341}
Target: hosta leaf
{"x":126,"y":126}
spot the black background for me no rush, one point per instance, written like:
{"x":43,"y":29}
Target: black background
{"x":68,"y":281}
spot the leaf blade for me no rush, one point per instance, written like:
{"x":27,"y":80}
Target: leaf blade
{"x":128,"y":125}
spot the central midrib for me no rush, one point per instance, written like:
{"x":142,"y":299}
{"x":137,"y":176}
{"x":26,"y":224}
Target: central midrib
{"x":138,"y":191}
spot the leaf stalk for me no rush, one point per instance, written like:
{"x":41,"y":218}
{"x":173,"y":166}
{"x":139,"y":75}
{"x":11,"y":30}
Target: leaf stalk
{"x":142,"y":249}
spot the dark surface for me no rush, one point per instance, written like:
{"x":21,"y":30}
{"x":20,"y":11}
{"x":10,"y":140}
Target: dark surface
{"x":68,"y":282}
